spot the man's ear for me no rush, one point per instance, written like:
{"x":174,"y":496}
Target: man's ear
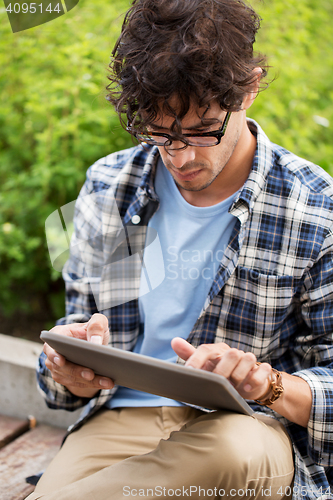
{"x":250,"y":97}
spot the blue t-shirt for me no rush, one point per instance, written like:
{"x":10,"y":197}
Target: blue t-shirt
{"x":193,"y":241}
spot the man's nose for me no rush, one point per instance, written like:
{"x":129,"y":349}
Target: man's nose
{"x":180,"y":157}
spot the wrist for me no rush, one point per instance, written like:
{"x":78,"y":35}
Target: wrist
{"x":275,"y":389}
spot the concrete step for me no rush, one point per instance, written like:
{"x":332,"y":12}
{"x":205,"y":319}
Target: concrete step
{"x":18,"y":388}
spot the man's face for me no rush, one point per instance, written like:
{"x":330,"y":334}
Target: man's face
{"x":196,"y":168}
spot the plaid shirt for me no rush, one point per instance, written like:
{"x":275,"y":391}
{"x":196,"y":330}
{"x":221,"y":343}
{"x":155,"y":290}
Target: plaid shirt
{"x":272,"y":294}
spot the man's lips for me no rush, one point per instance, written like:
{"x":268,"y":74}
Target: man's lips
{"x":186,"y":176}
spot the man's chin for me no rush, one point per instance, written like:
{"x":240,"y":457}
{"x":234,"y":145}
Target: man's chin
{"x":191,"y":186}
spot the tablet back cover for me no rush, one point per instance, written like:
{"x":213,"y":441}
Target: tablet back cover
{"x":143,"y":373}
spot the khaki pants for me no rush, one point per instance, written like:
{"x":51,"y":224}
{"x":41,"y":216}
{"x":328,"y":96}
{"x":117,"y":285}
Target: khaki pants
{"x":170,"y":452}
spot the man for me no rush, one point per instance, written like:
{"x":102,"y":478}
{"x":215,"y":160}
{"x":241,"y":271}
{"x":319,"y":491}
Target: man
{"x":244,"y":227}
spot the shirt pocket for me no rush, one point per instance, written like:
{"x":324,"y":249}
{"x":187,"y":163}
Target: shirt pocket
{"x":255,"y":308}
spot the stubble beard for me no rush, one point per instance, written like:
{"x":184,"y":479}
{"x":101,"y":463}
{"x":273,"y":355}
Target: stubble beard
{"x":186,"y":186}
{"x":215,"y":172}
{"x":192,"y":166}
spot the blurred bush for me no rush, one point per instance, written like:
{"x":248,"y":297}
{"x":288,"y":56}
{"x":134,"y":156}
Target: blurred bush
{"x":55,"y":121}
{"x":296,"y":111}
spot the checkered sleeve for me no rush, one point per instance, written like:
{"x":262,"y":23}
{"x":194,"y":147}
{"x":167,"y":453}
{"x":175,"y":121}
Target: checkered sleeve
{"x":316,"y":350}
{"x":106,"y":189}
{"x":80,"y":272}
{"x":80,"y":303}
{"x":97,"y":220}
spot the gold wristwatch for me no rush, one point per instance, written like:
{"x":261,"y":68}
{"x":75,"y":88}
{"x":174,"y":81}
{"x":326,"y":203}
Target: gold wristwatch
{"x":275,"y":389}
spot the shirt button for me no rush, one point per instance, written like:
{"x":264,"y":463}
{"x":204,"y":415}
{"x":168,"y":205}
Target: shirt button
{"x":136,"y":219}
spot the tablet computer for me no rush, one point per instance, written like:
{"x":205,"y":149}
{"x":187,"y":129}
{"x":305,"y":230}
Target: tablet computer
{"x":147,"y":374}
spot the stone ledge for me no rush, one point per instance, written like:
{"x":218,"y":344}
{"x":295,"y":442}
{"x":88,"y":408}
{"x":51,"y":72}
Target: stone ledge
{"x":18,"y":389}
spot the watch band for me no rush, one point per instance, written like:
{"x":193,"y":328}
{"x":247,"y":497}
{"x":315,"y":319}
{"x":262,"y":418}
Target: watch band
{"x":275,"y":389}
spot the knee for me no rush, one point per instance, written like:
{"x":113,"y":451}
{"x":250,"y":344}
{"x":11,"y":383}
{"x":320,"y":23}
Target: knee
{"x":233,"y":442}
{"x":244,"y":449}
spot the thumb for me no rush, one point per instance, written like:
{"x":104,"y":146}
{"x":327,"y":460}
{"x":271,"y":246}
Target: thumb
{"x":98,"y":329}
{"x":182,"y":348}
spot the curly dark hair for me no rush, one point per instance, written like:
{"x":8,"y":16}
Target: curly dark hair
{"x":195,"y":51}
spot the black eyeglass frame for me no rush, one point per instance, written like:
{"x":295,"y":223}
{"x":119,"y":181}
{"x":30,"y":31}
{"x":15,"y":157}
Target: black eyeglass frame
{"x":218,"y":134}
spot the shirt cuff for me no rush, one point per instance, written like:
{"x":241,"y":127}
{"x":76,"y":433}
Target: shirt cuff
{"x":320,"y":426}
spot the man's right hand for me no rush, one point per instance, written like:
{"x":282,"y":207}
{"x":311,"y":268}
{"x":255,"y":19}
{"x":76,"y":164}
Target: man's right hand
{"x":79,"y":380}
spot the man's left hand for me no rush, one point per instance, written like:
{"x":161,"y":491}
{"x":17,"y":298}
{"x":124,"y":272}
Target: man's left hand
{"x":239,"y":367}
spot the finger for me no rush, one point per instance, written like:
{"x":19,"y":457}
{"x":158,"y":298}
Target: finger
{"x":72,"y":375}
{"x":68,"y":373}
{"x":96,"y":383}
{"x":77,"y":330}
{"x":53,"y":356}
{"x":182,"y":348}
{"x":207,"y":356}
{"x":246,"y":363}
{"x":228,"y":363}
{"x":98,"y":329}
{"x":60,"y":367}
{"x":258,"y":380}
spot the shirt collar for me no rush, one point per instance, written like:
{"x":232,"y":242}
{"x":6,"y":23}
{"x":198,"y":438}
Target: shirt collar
{"x":146,"y":186}
{"x":261,"y":166}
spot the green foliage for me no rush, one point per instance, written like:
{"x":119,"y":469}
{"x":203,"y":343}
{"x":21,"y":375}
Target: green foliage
{"x":296,"y":111}
{"x":55,"y":121}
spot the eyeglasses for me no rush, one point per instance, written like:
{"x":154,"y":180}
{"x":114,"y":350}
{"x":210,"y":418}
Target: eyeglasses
{"x":204,"y":140}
